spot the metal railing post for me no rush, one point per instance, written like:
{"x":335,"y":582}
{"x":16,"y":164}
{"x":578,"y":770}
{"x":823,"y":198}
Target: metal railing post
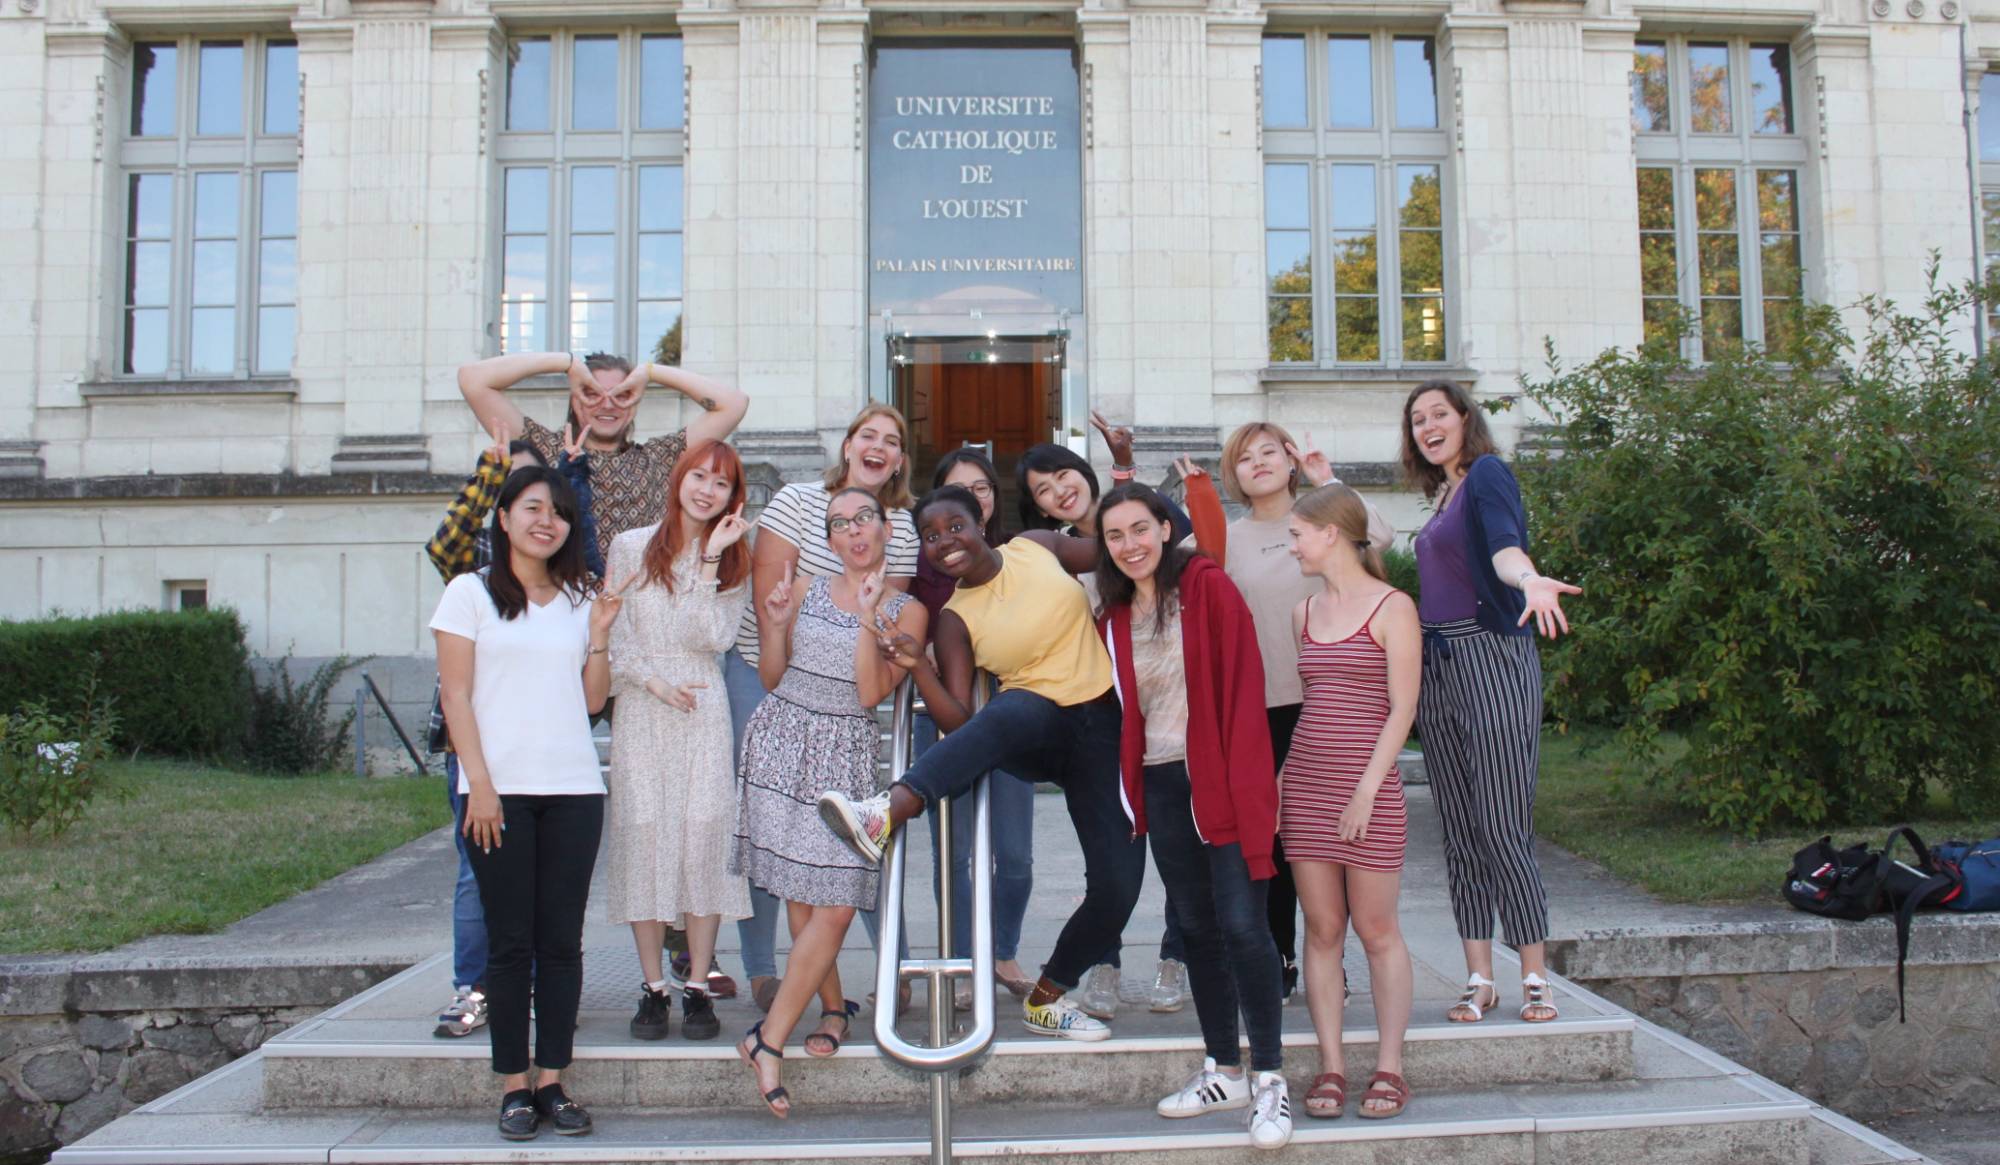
{"x":940,"y":1059}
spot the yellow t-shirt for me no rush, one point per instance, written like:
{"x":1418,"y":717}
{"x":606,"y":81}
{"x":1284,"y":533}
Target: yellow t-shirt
{"x":1031,"y":628}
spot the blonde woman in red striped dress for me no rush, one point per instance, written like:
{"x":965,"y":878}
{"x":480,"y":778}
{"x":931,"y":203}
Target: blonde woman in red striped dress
{"x":1341,"y":814}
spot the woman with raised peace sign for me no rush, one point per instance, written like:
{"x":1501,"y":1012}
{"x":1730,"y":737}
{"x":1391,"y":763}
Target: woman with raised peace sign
{"x":686,"y":580}
{"x":817,"y":731}
{"x":522,"y":655}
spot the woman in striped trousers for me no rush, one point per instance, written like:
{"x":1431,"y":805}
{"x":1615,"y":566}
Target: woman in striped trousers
{"x":1480,"y":712}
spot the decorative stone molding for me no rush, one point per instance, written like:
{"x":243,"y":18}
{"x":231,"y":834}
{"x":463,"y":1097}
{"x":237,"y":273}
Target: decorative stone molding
{"x":403,"y":453}
{"x":21,"y":459}
{"x":270,"y":386}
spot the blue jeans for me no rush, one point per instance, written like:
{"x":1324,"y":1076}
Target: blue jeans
{"x":758,"y":934}
{"x":1232,"y":960}
{"x":468,"y":920}
{"x":1075,"y":747}
{"x":1013,"y":802}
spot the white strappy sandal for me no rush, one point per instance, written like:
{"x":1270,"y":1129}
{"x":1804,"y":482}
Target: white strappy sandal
{"x":1540,"y":996}
{"x":1476,"y":986}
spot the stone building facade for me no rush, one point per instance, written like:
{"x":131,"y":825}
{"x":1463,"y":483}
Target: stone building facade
{"x":246,"y":243}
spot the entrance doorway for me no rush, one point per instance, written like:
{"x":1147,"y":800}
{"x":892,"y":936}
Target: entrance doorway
{"x":1005,"y":392}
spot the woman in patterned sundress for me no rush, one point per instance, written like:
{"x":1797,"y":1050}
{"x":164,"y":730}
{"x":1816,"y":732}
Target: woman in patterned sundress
{"x":817,"y":731}
{"x":1341,"y":814}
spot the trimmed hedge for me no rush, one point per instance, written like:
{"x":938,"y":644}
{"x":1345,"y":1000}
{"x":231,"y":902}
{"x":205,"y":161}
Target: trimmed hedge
{"x":177,"y":681}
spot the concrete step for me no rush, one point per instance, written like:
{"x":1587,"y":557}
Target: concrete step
{"x":1717,"y":1120}
{"x":376,"y":1050}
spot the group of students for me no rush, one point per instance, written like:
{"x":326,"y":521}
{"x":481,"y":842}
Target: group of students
{"x":1234,"y":694}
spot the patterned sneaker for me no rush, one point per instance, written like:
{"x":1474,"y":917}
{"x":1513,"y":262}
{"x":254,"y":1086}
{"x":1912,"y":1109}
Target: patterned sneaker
{"x":466,"y":1014}
{"x":1097,"y":995}
{"x":1271,"y":1115}
{"x":863,"y":825}
{"x":1208,"y":1090}
{"x":1170,"y":987}
{"x":1064,"y":1020}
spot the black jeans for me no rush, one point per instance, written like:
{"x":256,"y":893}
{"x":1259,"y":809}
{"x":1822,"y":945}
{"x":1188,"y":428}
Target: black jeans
{"x":1231,"y":959}
{"x":533,"y":889}
{"x":1284,"y":896}
{"x":1075,"y":747}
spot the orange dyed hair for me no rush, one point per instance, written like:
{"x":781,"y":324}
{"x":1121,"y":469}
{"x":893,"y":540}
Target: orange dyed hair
{"x":666,"y":543}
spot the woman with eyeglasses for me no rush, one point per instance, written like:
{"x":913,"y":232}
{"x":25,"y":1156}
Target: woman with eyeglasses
{"x":790,"y":543}
{"x":817,"y":731}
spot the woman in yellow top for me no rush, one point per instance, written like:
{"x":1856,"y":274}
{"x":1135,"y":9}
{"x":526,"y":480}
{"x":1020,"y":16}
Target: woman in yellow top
{"x":1018,"y":614}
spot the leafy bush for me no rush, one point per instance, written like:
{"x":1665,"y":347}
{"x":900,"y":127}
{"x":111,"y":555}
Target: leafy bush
{"x":1402,"y":569}
{"x":177,"y":678}
{"x":1792,"y":559}
{"x":289,"y":729}
{"x":51,"y":764}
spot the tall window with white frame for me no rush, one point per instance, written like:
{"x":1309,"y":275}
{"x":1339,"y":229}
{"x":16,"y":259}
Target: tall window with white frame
{"x":209,"y":161}
{"x":591,"y":219}
{"x":1989,"y":188}
{"x":1355,"y":177}
{"x":1720,"y":161}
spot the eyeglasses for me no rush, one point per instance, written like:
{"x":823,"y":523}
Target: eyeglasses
{"x":981,"y":490}
{"x":862,"y":520}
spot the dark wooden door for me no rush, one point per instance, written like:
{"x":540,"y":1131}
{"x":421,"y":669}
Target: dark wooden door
{"x":1000,"y":403}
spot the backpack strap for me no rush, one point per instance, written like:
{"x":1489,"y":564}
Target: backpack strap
{"x":1905,"y":913}
{"x":1917,"y":845}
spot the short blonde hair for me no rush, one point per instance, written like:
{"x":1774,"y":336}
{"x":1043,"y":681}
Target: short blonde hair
{"x":1232,"y":452}
{"x":895,"y":492}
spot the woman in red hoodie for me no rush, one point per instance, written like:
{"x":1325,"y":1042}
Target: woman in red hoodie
{"x":1196,"y":764}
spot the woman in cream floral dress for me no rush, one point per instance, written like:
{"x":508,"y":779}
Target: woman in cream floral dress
{"x":672,"y":812}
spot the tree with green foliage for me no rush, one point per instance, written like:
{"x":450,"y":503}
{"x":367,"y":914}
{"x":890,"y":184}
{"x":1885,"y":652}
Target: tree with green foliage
{"x":1792,"y":558}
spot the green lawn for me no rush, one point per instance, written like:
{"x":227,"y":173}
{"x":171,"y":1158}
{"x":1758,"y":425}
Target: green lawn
{"x":194,"y":849}
{"x":1593,"y":803}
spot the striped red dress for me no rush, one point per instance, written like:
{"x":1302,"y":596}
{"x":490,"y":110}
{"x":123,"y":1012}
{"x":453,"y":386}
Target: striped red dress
{"x":1346,"y":704}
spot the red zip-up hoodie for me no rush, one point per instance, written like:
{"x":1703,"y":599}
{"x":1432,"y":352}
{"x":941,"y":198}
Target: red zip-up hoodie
{"x":1228,"y":736}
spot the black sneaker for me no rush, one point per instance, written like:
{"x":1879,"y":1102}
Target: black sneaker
{"x":1289,"y":976}
{"x":564,"y":1115}
{"x":520,"y":1119}
{"x":698,"y":1020}
{"x":650,"y":1021}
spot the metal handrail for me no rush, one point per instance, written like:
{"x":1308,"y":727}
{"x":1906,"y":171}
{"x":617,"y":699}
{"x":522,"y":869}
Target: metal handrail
{"x":940,"y":1059}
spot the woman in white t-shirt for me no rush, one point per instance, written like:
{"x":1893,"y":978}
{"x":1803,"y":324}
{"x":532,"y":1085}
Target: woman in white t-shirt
{"x":521,"y":658}
{"x":791,"y":543}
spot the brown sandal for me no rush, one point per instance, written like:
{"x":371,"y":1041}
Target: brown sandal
{"x":1327,"y":1098}
{"x":1384,"y":1086}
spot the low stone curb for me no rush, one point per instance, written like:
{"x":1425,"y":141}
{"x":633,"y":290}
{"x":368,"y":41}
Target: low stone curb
{"x":83,"y":1040}
{"x":1785,"y":941}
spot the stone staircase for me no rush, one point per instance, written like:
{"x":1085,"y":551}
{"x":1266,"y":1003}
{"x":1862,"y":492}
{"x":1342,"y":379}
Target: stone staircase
{"x":366,"y":1082}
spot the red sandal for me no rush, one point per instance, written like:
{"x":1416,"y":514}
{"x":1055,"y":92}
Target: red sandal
{"x":1384,"y":1086}
{"x":1327,"y":1098}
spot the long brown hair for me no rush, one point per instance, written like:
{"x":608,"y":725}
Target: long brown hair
{"x":895,"y":492}
{"x":1476,"y":439}
{"x":1338,"y":506}
{"x":667,"y":542}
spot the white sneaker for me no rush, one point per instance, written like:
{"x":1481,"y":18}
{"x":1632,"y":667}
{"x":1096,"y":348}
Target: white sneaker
{"x":1271,"y":1115}
{"x":465,"y":1014}
{"x":1134,"y":990}
{"x":1170,"y":986}
{"x":1064,"y":1020}
{"x":1208,"y":1090}
{"x":1098,"y":994}
{"x":863,"y":825}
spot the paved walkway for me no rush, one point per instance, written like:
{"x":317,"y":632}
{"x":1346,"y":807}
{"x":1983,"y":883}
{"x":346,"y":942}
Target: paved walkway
{"x":399,"y":905}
